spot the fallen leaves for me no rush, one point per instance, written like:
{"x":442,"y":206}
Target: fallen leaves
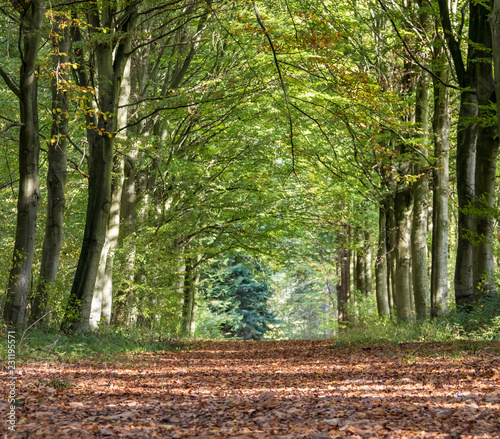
{"x":289,"y":389}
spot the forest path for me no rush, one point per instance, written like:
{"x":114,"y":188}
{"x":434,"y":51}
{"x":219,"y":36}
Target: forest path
{"x":265,"y":389}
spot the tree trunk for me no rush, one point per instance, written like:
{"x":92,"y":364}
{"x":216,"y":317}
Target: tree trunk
{"x":360,"y":269}
{"x":486,"y":158}
{"x":350,"y":239}
{"x":495,"y":34}
{"x":467,"y":75}
{"x":128,"y":221}
{"x":29,"y":184}
{"x":391,"y":251}
{"x":110,"y":64}
{"x":440,"y":216}
{"x":103,"y":289}
{"x":381,"y":290}
{"x":189,"y":299}
{"x":56,"y":176}
{"x":344,"y":283}
{"x":466,"y":152}
{"x":368,"y":265}
{"x":403,"y":203}
{"x":343,"y":289}
{"x":486,"y":162}
{"x":420,"y":188}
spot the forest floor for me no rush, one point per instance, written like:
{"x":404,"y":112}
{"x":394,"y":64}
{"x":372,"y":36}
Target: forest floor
{"x":266,"y":389}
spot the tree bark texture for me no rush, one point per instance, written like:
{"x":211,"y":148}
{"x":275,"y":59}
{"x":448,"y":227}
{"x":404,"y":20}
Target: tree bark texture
{"x":127,"y":305}
{"x":486,"y":160}
{"x":420,"y":188}
{"x":110,"y":64}
{"x":381,"y":289}
{"x":474,"y":78}
{"x":495,"y":34}
{"x":360,"y":269}
{"x":103,"y":290}
{"x":56,"y":176}
{"x":29,"y":150}
{"x":466,"y":155}
{"x":189,"y":299}
{"x":391,"y":251}
{"x":485,"y":182}
{"x":403,"y":205}
{"x":103,"y":297}
{"x":440,"y":216}
{"x":368,"y":265}
{"x":343,"y":289}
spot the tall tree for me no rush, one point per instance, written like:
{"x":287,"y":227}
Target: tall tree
{"x":495,"y":34}
{"x":440,"y":216}
{"x":57,"y":155}
{"x":475,"y":180}
{"x":30,"y":22}
{"x":421,"y":288}
{"x":344,"y":284}
{"x":486,"y":157}
{"x":403,"y":206}
{"x":110,"y":61}
{"x":381,"y":266}
{"x":176,"y":47}
{"x":234,"y":291}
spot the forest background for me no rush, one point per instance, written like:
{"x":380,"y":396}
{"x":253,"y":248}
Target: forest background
{"x":248,"y":169}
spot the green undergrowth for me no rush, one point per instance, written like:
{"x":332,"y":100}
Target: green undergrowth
{"x":471,"y":331}
{"x":372,"y":331}
{"x":105,"y":345}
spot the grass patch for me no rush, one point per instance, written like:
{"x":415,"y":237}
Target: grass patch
{"x":373,"y":331}
{"x":109,"y":345}
{"x":455,"y":334}
{"x":481,"y":324}
{"x":54,"y":383}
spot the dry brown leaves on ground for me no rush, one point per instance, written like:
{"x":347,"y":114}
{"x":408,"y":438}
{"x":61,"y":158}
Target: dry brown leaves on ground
{"x":265,"y":389}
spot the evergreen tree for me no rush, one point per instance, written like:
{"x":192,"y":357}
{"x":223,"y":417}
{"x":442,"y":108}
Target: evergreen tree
{"x":235,"y":288}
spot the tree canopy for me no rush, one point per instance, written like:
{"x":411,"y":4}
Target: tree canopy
{"x":155,"y":155}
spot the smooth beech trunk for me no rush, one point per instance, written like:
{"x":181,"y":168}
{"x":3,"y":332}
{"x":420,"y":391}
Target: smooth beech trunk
{"x":466,"y":157}
{"x":360,"y":268}
{"x":368,"y":265}
{"x":110,"y":64}
{"x":381,"y":289}
{"x":56,"y":176}
{"x":483,"y":259}
{"x":391,"y":251}
{"x":440,"y":216}
{"x":102,"y":301}
{"x":495,"y":34}
{"x":351,"y":239}
{"x":344,"y":284}
{"x":474,"y":78}
{"x":403,"y":206}
{"x":486,"y":162}
{"x":102,"y":298}
{"x":127,"y":243}
{"x":343,"y":288}
{"x":420,"y":188}
{"x":19,"y":283}
{"x":189,"y":299}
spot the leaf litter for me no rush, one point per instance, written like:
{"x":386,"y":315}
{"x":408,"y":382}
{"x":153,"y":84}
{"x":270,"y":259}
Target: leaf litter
{"x":265,"y":389}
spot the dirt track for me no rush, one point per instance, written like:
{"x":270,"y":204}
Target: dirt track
{"x":286,"y":389}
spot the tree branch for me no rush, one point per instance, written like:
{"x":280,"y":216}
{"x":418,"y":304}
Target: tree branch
{"x":10,"y":83}
{"x":453,"y":44}
{"x":410,"y":53}
{"x":287,"y":100}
